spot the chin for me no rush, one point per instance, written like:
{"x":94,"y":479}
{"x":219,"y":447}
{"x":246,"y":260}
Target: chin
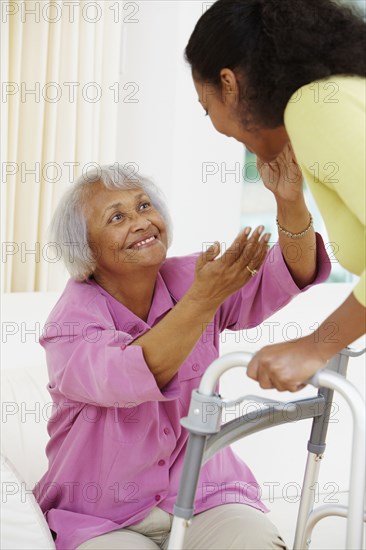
{"x":153,"y":259}
{"x":269,"y":154}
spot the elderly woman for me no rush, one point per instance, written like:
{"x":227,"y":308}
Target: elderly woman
{"x":277,"y":74}
{"x":127,"y":342}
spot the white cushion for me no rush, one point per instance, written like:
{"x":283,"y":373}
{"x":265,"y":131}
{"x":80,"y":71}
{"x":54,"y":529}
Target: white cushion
{"x":22,"y":522}
{"x":25,"y":408}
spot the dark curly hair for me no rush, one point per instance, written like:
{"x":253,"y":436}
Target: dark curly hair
{"x":275,"y":47}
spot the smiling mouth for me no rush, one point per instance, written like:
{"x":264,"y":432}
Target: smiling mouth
{"x":144,"y":242}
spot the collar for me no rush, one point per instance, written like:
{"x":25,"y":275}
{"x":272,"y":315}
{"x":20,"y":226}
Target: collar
{"x":126,"y":320}
{"x":162,"y":302}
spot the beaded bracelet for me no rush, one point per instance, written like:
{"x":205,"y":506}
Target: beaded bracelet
{"x":295,"y":235}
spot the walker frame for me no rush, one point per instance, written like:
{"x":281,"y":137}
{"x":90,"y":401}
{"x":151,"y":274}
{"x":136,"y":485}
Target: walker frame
{"x":208,"y":435}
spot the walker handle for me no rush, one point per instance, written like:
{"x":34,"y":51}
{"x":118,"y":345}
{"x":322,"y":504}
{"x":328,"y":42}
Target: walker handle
{"x":242,"y":359}
{"x":221,"y":365}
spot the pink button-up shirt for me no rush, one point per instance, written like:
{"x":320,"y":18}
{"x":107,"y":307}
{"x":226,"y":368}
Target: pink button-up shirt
{"x":116,"y":444}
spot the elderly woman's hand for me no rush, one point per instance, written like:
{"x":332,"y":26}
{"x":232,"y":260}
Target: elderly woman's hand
{"x":282,"y":176}
{"x":216,"y":279}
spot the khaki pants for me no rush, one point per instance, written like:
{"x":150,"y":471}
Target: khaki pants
{"x":227,"y":527}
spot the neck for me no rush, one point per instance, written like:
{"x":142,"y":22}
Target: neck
{"x":134,"y":291}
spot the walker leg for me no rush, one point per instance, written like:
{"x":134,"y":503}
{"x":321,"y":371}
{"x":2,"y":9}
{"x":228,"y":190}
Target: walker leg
{"x":177,"y":533}
{"x":184,"y":507}
{"x":316,"y":448}
{"x":307,"y":500}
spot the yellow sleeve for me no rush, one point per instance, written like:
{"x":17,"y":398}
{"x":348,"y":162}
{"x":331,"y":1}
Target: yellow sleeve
{"x":326,"y":123}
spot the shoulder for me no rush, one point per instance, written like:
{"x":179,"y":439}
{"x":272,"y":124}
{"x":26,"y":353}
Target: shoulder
{"x":326,"y":99}
{"x":178,"y":273}
{"x":322,"y":117}
{"x":80,"y":301}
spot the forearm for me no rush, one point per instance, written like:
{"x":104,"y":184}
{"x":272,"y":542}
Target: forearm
{"x":168,"y":344}
{"x":341,"y":328}
{"x":299,"y":254}
{"x":288,"y":365}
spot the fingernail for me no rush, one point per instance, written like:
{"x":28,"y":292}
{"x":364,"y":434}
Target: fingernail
{"x":266,"y":237}
{"x":247,"y":230}
{"x":260,"y":229}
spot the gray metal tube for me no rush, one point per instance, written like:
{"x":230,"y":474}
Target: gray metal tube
{"x":184,"y":505}
{"x":319,"y":429}
{"x":268,"y":417}
{"x":316,"y":443}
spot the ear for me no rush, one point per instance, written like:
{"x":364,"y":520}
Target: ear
{"x":229,"y":86}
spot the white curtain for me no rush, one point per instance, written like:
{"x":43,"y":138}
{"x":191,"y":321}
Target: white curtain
{"x":60,"y":69}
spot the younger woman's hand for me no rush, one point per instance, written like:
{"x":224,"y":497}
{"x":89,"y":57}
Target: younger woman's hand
{"x":287,"y":365}
{"x":216,"y":279}
{"x":283,"y":176}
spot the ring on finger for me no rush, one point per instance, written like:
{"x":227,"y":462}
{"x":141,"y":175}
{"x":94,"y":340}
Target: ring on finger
{"x":251,"y":271}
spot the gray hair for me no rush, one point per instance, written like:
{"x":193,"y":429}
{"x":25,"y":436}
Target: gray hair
{"x":68,"y":228}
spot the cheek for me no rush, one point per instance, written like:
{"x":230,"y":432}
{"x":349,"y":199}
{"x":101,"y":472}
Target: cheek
{"x":225,"y":124}
{"x":158,"y":220}
{"x":220,"y":124}
{"x":112,"y":239}
{"x":163,"y":232}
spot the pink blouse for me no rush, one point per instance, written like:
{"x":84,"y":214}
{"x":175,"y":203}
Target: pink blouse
{"x":116,"y":445}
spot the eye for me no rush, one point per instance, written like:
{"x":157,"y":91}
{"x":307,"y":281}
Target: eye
{"x":145,"y":205}
{"x":116,"y":217}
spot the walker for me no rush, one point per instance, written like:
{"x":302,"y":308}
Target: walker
{"x":207,"y":436}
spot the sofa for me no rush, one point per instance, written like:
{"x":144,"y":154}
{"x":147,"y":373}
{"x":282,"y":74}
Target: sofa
{"x":276,"y":456}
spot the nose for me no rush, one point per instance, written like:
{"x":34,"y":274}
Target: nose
{"x":140,"y":223}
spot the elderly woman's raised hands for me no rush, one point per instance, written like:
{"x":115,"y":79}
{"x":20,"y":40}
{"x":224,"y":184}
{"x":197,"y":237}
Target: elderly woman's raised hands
{"x":217,"y":278}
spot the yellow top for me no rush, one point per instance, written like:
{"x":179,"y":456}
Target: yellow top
{"x":326,"y":123}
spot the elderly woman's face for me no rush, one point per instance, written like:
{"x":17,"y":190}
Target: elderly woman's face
{"x":222,"y":108}
{"x":125,"y":232}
